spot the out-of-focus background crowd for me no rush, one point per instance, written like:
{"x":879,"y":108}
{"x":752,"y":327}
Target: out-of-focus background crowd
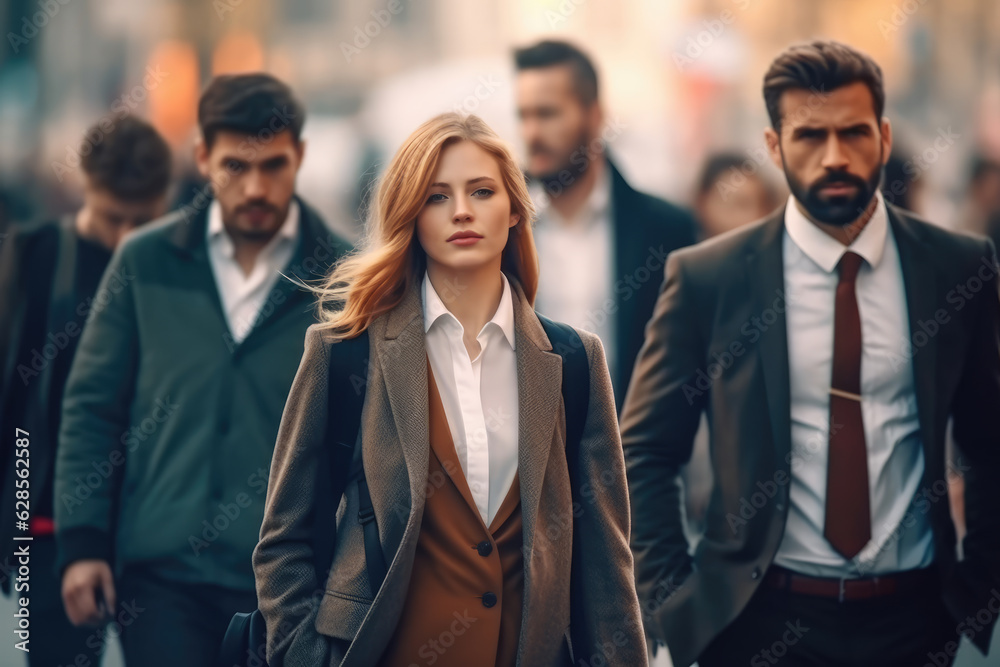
{"x":680,"y":82}
{"x":680,"y":79}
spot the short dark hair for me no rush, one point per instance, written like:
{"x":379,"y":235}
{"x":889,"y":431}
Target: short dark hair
{"x":549,"y":53}
{"x":249,"y":104}
{"x":130,"y":159}
{"x":982,"y":165}
{"x":822,"y":66}
{"x":717,"y":166}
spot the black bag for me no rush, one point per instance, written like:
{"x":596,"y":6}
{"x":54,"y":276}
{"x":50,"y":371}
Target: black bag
{"x":244,"y":644}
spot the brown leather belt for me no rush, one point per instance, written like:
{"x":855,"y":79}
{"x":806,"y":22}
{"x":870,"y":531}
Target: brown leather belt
{"x":849,"y":589}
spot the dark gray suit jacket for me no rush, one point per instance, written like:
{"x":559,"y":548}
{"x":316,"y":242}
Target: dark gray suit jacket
{"x":718,"y":343}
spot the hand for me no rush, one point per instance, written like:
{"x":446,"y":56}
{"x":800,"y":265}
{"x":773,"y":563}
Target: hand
{"x":88,"y":592}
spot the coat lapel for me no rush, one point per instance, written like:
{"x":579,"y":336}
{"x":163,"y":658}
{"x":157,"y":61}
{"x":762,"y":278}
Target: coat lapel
{"x":399,"y":347}
{"x":191,"y":243}
{"x":766,"y":275}
{"x":539,"y":383}
{"x":402,"y":356}
{"x":919,"y":280}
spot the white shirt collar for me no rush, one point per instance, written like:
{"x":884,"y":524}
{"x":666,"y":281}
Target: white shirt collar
{"x":216,"y":233}
{"x":597,"y":205}
{"x":434,"y":309}
{"x":825,"y":250}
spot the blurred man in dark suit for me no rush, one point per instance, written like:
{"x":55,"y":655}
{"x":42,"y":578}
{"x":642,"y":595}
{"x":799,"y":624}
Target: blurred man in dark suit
{"x":601,"y":244}
{"x":50,"y":275}
{"x":829,"y":345}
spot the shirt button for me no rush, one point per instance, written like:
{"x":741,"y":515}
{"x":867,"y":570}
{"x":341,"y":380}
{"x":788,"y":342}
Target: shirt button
{"x":489,"y":599}
{"x":484,"y":548}
{"x":781,"y":507}
{"x":755,"y":574}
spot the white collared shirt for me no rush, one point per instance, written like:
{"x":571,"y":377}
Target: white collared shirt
{"x":242,"y":295}
{"x":479,"y":395}
{"x":901,"y":532}
{"x":576,"y":258}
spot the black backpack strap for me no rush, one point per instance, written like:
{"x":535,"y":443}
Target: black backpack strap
{"x":61,"y":311}
{"x":348,"y":380}
{"x":373,"y":548}
{"x":566,"y":342}
{"x":246,"y":636}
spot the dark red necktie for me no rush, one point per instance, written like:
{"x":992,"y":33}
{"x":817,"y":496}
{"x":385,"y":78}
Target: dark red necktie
{"x":848,"y":512}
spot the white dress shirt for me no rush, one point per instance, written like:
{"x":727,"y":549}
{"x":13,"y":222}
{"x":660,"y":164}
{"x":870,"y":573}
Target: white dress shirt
{"x":577,"y":264}
{"x":242,"y":295}
{"x":482,"y":413}
{"x":888,"y":401}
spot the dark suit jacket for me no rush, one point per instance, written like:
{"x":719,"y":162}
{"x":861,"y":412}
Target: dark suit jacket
{"x":729,"y":291}
{"x":646,"y":229}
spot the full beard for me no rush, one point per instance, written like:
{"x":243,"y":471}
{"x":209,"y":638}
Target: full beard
{"x":840,"y":210}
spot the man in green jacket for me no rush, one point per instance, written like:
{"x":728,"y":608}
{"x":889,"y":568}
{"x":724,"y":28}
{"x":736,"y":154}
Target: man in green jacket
{"x":174,"y":399}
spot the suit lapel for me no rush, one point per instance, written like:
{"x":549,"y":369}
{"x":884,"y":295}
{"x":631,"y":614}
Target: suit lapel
{"x":919,"y":280}
{"x":766,"y":276}
{"x":627,"y":231}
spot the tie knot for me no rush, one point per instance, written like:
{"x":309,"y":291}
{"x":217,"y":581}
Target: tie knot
{"x":849,"y":265}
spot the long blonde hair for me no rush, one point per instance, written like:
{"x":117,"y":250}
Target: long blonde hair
{"x":374,"y":279}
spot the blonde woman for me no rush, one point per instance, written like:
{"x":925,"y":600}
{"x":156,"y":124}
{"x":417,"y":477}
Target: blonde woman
{"x":463,"y":448}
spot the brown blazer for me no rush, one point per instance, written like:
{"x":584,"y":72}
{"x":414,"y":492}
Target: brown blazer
{"x":463,"y":605}
{"x":341,"y":621}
